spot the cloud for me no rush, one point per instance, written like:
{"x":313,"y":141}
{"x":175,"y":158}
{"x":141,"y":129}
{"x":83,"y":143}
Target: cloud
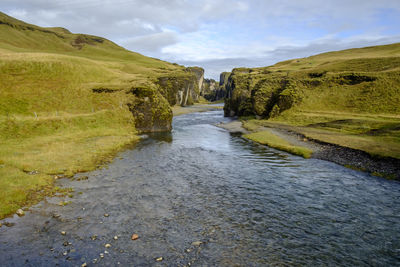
{"x":151,"y":43}
{"x":221,"y":34}
{"x":214,"y":67}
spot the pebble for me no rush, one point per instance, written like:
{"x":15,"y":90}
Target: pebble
{"x":20,"y":212}
{"x":66,"y":243}
{"x":84,"y":264}
{"x":188,"y":250}
{"x":65,"y":253}
{"x":106,"y":215}
{"x":55,"y":215}
{"x":63,"y":232}
{"x":106,"y":252}
{"x":115,"y":237}
{"x":197,"y":243}
{"x":159,"y":259}
{"x":94,"y":260}
{"x":135,"y":237}
{"x":101,"y":255}
{"x":107,"y":245}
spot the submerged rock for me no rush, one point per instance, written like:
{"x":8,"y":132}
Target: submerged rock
{"x":135,"y":237}
{"x":197,"y":243}
{"x":159,"y":259}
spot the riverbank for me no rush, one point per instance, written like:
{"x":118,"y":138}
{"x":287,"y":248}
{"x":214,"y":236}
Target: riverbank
{"x":387,"y":167}
{"x":37,"y":151}
{"x":178,"y":110}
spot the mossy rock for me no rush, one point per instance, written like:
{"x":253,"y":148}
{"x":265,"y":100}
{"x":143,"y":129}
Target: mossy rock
{"x":150,"y":109}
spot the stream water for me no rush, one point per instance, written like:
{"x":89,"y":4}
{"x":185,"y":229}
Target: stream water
{"x":201,"y":196}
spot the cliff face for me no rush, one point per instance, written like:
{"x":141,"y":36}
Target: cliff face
{"x":199,"y":73}
{"x":209,"y":87}
{"x":358,"y":80}
{"x":150,"y":109}
{"x":214,"y":91}
{"x":183,"y":88}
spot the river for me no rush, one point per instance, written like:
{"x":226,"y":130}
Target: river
{"x":201,"y":196}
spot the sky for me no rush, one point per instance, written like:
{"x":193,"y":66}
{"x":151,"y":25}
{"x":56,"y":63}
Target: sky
{"x":219,"y":35}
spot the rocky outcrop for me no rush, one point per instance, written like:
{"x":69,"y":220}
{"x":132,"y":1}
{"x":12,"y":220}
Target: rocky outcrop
{"x":209,"y":88}
{"x":213,"y":91}
{"x":151,"y":111}
{"x":265,"y":95}
{"x":223,"y":78}
{"x":199,"y":72}
{"x":183,"y":88}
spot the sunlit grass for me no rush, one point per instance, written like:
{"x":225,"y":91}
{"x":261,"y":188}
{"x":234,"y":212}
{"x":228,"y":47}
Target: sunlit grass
{"x":46,"y":147}
{"x":376,"y":134}
{"x":267,"y":138}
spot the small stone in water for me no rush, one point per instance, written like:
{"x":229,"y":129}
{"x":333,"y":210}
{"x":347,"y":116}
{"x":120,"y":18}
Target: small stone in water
{"x":135,"y":236}
{"x":188,"y":250}
{"x":106,"y":215}
{"x":84,"y":264}
{"x":115,"y":237}
{"x":159,"y":259}
{"x":63,"y":233}
{"x":197,"y":243}
{"x":107,"y":245}
{"x":65,"y":253}
{"x":101,"y":255}
{"x":106,"y":252}
{"x":65,"y":243}
{"x":20,"y":212}
{"x":93,"y":237}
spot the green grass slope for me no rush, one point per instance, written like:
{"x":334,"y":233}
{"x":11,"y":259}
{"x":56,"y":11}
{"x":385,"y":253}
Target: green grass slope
{"x":348,"y":97}
{"x":68,"y":102}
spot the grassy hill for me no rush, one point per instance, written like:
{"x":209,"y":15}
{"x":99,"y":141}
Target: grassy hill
{"x":349,"y":97}
{"x":68,"y":102}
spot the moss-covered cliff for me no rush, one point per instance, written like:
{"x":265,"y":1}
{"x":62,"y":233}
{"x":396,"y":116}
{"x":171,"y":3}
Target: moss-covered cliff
{"x":182,"y":88}
{"x":358,"y":80}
